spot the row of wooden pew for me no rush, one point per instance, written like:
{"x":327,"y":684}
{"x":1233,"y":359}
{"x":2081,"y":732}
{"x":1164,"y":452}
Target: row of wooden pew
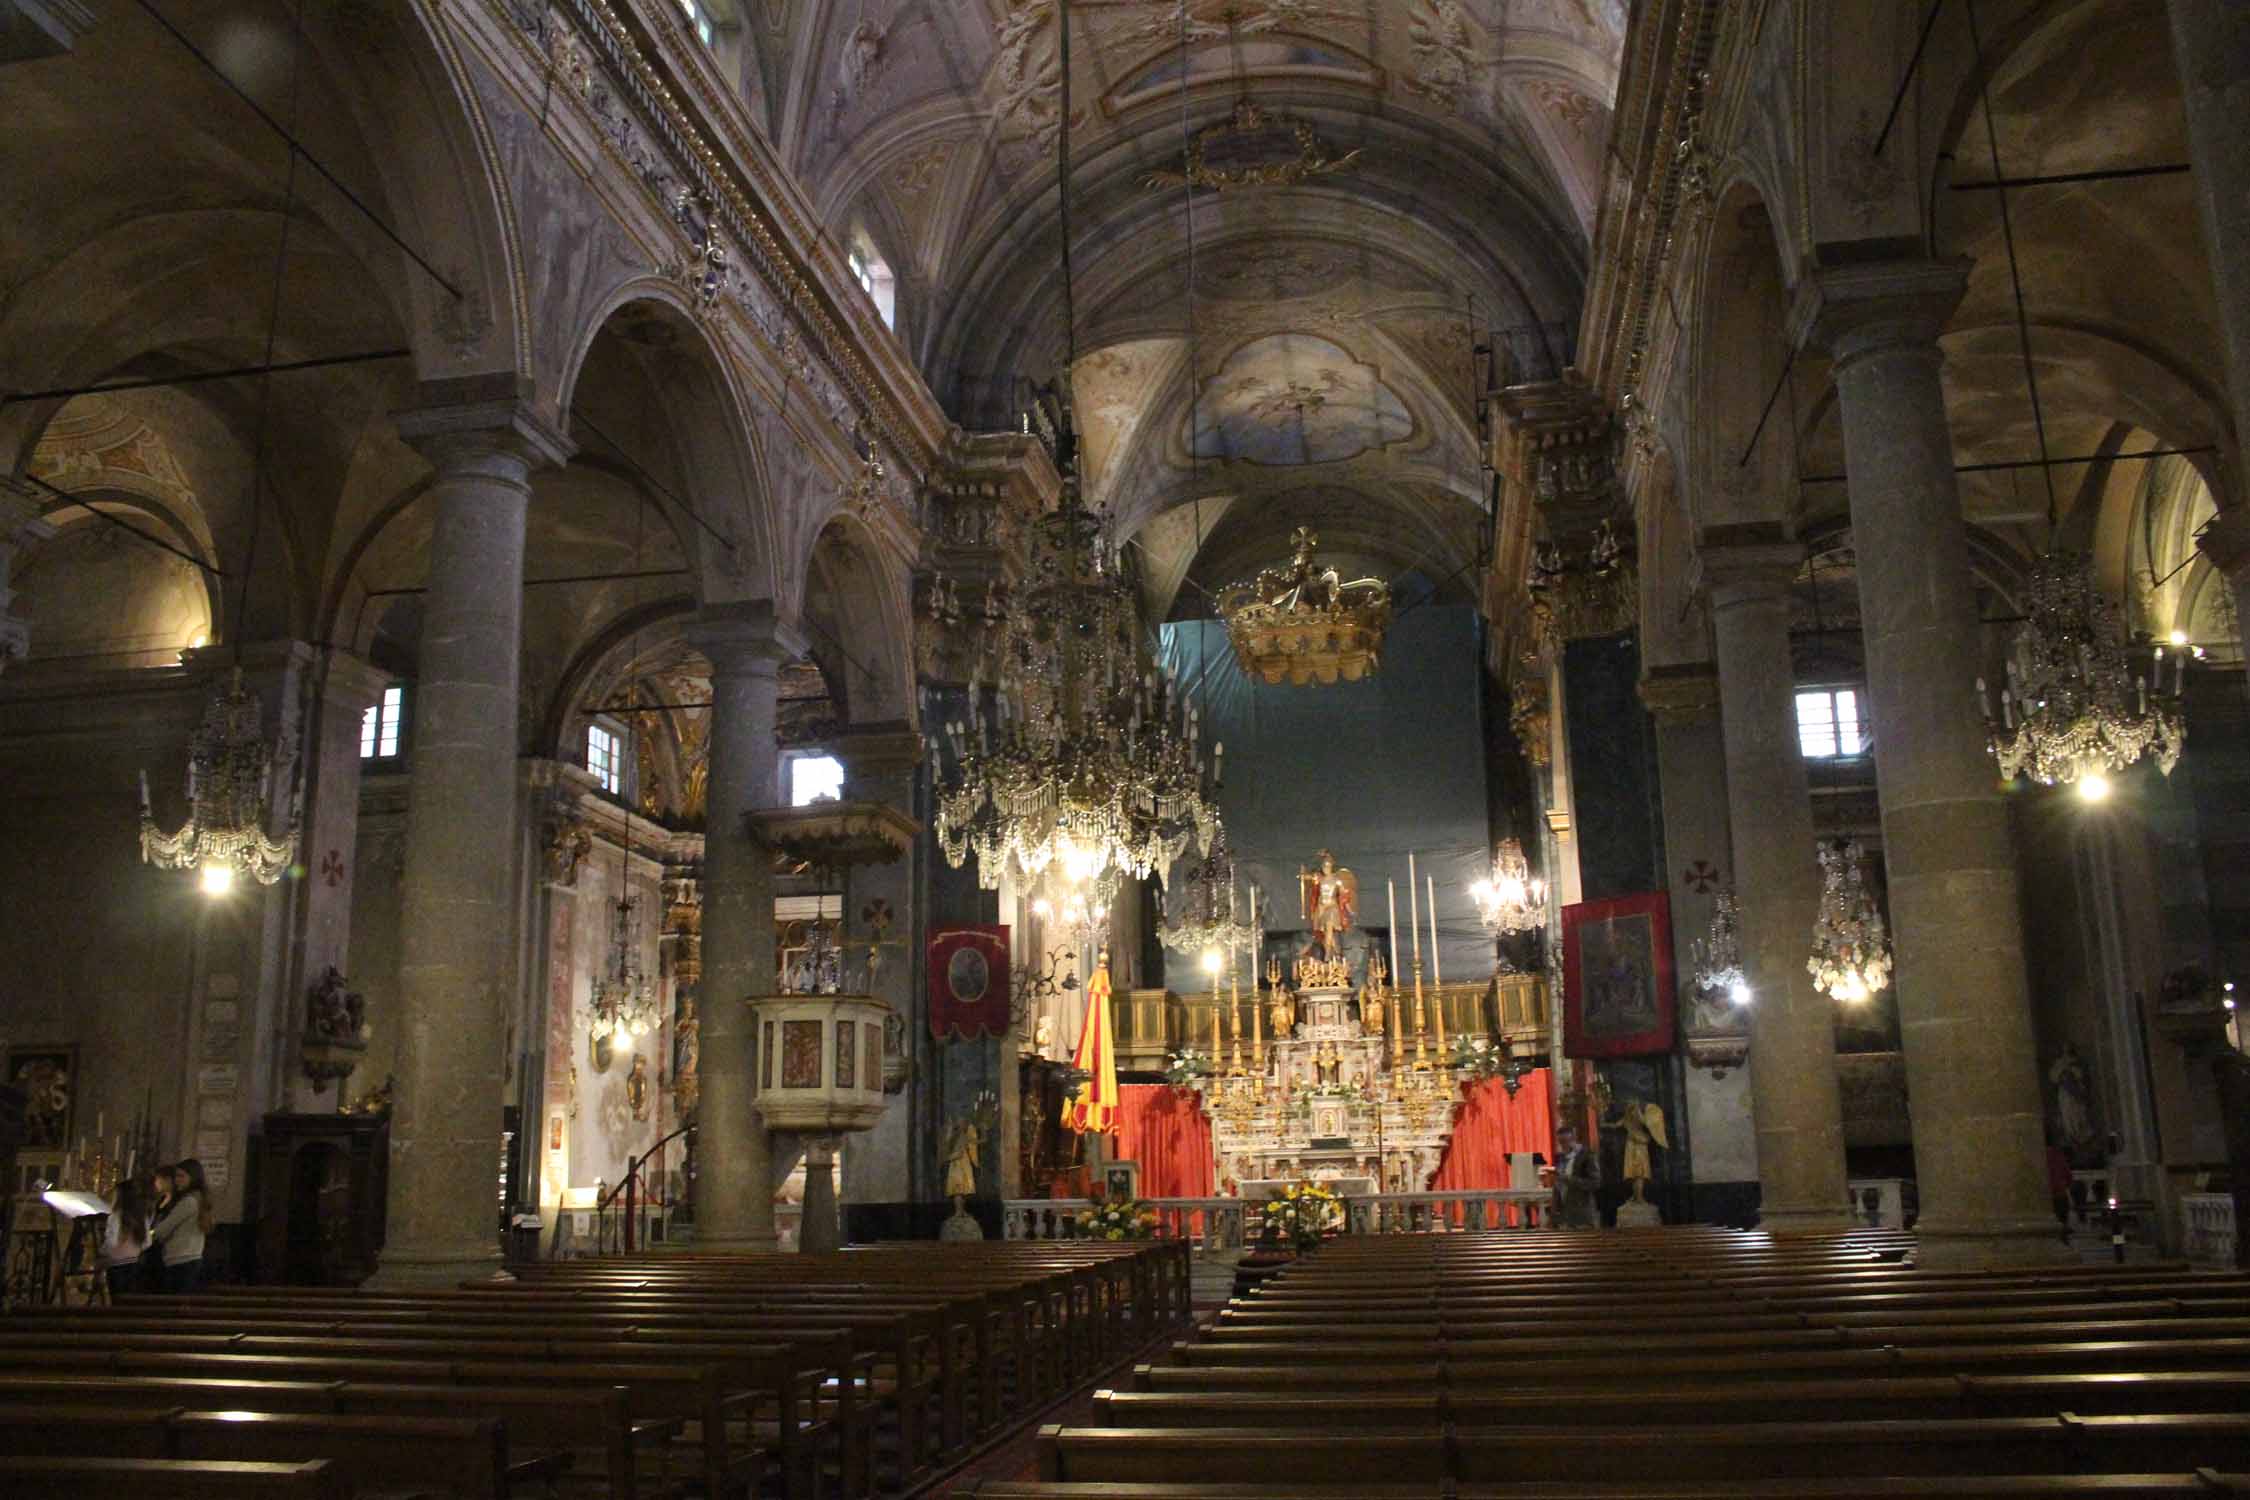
{"x":1676,"y":1363}
{"x":719,"y":1376}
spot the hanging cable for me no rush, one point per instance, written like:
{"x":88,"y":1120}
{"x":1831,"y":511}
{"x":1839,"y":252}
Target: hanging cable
{"x":2015,"y":270}
{"x":273,"y":328}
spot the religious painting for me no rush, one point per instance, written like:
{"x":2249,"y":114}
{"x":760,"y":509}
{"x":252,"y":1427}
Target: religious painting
{"x":871,"y":1037}
{"x":968,"y":972}
{"x":1617,"y":976}
{"x":800,"y":1054}
{"x":1121,"y":1180}
{"x":48,"y":1077}
{"x":1291,"y":399}
{"x":847,"y":1055}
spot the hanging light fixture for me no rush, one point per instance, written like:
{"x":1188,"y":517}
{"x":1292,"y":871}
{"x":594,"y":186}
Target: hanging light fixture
{"x":1851,"y":950}
{"x":624,"y":1003}
{"x":1085,"y":758}
{"x":1211,"y":917}
{"x":1513,"y":900}
{"x":2074,"y":711}
{"x":230,"y":767}
{"x":1715,"y":959}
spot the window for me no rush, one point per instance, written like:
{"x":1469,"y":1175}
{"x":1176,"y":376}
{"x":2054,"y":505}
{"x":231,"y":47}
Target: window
{"x":379,"y":726}
{"x":605,"y":757}
{"x":1829,"y":725}
{"x":699,"y":21}
{"x":813,"y":778}
{"x":874,"y":278}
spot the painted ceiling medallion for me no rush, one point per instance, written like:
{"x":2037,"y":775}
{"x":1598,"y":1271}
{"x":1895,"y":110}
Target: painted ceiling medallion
{"x":1254,"y":147}
{"x":1304,"y":623}
{"x":1292,"y":398}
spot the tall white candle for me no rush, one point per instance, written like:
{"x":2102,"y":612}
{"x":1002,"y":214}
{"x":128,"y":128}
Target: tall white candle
{"x":1414,"y":910}
{"x":1391,"y":886}
{"x":1437,"y":974}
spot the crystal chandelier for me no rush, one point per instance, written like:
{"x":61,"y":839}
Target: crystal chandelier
{"x":1513,"y":900}
{"x":2073,"y":710}
{"x":1211,"y":917}
{"x":1851,"y":952}
{"x":229,"y":767}
{"x":1715,"y":959}
{"x":1083,"y":759}
{"x":623,"y":1003}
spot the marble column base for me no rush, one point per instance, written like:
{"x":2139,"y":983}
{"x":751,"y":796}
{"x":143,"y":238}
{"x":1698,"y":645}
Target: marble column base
{"x":1976,"y":1247}
{"x":1805,"y":1220}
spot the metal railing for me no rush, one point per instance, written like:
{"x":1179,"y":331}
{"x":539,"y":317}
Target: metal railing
{"x":1232,"y":1223}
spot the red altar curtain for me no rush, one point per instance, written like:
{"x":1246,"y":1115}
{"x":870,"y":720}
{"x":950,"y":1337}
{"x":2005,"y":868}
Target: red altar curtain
{"x":1169,"y":1135}
{"x":1487,"y":1125}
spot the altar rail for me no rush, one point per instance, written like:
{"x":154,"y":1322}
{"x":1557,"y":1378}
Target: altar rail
{"x":1231,"y":1223}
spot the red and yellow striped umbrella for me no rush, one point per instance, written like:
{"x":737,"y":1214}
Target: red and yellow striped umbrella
{"x":1093,"y":1109}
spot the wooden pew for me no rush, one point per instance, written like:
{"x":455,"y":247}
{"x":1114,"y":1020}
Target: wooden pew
{"x":169,"y":1479}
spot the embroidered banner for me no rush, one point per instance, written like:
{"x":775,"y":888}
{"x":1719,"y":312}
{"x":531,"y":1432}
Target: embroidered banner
{"x":969,"y":982}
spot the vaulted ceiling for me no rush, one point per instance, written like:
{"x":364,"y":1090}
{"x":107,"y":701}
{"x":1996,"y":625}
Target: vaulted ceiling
{"x":1392,"y":185}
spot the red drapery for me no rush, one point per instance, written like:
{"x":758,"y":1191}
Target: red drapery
{"x":1169,"y":1135}
{"x":1489,"y":1124}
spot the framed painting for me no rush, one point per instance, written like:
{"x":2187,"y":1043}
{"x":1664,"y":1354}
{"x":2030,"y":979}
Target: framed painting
{"x":48,"y":1077}
{"x":1618,"y":997}
{"x":1121,"y":1180}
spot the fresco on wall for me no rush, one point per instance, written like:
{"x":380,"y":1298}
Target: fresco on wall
{"x":1291,"y":398}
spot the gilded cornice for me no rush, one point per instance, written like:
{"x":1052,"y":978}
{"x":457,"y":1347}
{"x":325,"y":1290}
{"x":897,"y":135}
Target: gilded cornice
{"x":752,"y":202}
{"x":1663,"y":99}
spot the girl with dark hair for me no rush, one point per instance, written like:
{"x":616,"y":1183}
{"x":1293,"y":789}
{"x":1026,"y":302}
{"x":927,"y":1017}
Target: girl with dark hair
{"x":126,"y":1238}
{"x":182,"y":1229}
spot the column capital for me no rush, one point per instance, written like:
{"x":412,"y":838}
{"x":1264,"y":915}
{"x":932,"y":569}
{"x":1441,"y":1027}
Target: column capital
{"x":1734,"y":564}
{"x":1855,"y":310}
{"x":353,"y":682}
{"x":463,"y":421}
{"x":2226,"y":541}
{"x":1681,"y":694}
{"x":744,"y":636}
{"x":873,"y":749}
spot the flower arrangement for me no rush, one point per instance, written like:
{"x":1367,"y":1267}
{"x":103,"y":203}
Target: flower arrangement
{"x":1300,"y":1212}
{"x":1477,"y":1058}
{"x":1187,"y":1069}
{"x":1351,"y":1093}
{"x":1120,"y":1219}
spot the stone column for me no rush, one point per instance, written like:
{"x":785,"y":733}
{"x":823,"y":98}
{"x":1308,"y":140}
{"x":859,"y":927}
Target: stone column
{"x":1683,"y":698}
{"x":734,"y":1153}
{"x":880,"y":766}
{"x":2211,"y":46}
{"x":457,"y":922}
{"x":1800,"y":1124}
{"x":20,"y":526}
{"x":1964,"y":1004}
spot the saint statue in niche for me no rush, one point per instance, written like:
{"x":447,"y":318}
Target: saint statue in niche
{"x":1331,"y":904}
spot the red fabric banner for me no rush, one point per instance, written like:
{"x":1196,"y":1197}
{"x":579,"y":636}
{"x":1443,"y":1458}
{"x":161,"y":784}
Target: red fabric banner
{"x":968,"y":982}
{"x":1488,"y":1124}
{"x":1167,"y":1132}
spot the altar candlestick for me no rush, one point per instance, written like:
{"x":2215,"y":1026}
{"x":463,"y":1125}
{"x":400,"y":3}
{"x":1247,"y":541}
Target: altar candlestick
{"x":1414,"y":919}
{"x":1257,"y":1022}
{"x":1391,"y":886}
{"x":1437,"y":973}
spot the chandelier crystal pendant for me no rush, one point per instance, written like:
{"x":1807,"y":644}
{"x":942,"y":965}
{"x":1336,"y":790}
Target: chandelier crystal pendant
{"x":1082,"y":758}
{"x":1715,"y":959}
{"x":1851,"y":949}
{"x":230,"y":766}
{"x":2074,"y":711}
{"x":1513,"y":900}
{"x":1211,"y":917}
{"x":624,"y":1005}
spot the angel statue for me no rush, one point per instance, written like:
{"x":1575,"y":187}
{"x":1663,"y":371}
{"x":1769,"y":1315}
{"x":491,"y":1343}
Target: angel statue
{"x":1331,"y":904}
{"x":1643,"y":1122}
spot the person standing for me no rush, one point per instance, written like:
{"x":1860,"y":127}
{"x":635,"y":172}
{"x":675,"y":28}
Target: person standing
{"x":125,"y":1240}
{"x":1577,"y":1177}
{"x":180,"y":1232}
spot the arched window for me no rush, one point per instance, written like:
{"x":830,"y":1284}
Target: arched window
{"x":874,"y":277}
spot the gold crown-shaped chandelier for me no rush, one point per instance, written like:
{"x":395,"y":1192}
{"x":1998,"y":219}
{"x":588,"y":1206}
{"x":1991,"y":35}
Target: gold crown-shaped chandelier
{"x":1082,"y":755}
{"x":1304,"y":622}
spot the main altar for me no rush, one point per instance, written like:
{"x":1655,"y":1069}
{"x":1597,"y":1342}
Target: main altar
{"x":1321,"y":1090}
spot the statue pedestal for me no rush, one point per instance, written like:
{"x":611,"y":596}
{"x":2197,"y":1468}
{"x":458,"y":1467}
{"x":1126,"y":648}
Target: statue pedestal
{"x":1638,"y":1215}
